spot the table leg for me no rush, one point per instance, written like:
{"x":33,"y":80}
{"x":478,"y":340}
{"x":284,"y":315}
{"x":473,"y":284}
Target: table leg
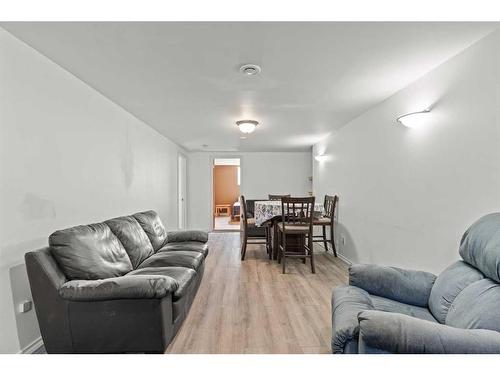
{"x":275,"y":240}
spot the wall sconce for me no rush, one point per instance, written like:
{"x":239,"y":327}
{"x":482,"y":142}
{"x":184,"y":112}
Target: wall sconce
{"x":321,"y":158}
{"x":413,"y":119}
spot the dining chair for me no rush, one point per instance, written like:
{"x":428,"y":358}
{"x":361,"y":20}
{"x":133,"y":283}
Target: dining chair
{"x":296,"y":225}
{"x":327,"y":220}
{"x":250,"y":233}
{"x":276,"y":197}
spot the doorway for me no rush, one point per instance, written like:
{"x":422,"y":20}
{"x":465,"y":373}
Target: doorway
{"x":181,"y":191}
{"x":226,"y":192}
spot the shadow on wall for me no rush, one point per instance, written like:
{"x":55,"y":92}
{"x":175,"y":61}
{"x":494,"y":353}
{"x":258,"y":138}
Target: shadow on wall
{"x":345,"y":243}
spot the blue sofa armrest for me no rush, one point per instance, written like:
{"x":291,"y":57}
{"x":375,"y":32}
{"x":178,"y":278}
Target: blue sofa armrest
{"x":347,"y":302}
{"x":187,"y":235}
{"x":123,"y":287}
{"x":410,"y":287}
{"x":398,"y":333}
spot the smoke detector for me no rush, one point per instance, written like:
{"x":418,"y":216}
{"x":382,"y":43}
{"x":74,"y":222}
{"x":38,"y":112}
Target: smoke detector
{"x":250,"y":69}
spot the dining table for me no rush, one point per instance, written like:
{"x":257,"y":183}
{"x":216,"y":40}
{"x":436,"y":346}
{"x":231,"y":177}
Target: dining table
{"x":269,"y":213}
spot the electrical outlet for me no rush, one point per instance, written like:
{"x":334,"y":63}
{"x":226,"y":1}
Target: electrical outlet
{"x":25,"y":306}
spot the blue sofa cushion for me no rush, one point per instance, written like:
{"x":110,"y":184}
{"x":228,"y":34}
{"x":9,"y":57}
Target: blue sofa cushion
{"x":448,"y":286}
{"x":389,"y":305}
{"x":480,"y":245}
{"x":476,"y":307}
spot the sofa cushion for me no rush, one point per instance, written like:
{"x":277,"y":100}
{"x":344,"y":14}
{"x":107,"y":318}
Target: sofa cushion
{"x":184,"y":277}
{"x":480,"y":245}
{"x":347,"y":302}
{"x":89,"y":252}
{"x":188,"y":259}
{"x":389,"y":305}
{"x":183,"y":246}
{"x":187,"y":236}
{"x":256,"y":232}
{"x":476,"y":307}
{"x":152,"y":225}
{"x":133,"y":238}
{"x":123,"y":287}
{"x":448,"y":286}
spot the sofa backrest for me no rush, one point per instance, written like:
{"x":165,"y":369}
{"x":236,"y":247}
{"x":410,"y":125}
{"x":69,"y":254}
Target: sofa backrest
{"x":467,"y":294}
{"x":449,"y":284}
{"x":480,"y":246}
{"x":133,"y":238}
{"x":476,"y":307}
{"x":152,"y":225}
{"x":89,"y":252}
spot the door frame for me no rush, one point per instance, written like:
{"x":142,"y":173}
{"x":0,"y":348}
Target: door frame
{"x":211,"y":167}
{"x":180,"y":155}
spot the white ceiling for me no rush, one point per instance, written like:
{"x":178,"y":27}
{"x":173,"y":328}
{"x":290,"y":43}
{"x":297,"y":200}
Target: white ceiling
{"x":182,"y":78}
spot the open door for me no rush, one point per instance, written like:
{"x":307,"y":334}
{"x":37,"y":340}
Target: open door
{"x":226,"y":192}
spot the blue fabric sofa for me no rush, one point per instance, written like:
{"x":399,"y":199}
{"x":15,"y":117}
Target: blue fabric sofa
{"x":391,"y":310}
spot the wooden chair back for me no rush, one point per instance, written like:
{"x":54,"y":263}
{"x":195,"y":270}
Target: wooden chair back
{"x":275,"y":197}
{"x":297,"y":211}
{"x":330,"y":205}
{"x":243,"y":211}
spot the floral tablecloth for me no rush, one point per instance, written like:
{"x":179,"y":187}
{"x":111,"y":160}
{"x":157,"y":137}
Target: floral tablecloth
{"x":265,"y":210}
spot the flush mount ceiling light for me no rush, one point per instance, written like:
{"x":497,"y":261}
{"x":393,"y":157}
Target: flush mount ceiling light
{"x":247,"y":126}
{"x":250,"y":69}
{"x":321,"y":158}
{"x":413,"y":119}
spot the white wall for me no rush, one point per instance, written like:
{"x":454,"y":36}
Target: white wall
{"x":407,"y":195}
{"x":68,"y":156}
{"x":262,"y":173}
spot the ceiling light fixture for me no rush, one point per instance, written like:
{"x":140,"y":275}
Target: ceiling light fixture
{"x":250,"y":69}
{"x":413,"y":119}
{"x":321,"y":158}
{"x":247,"y":126}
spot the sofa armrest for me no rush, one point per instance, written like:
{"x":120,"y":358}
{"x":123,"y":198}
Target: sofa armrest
{"x":411,"y":287}
{"x":398,"y":333}
{"x":187,"y":235}
{"x":347,"y":302}
{"x":123,"y":287}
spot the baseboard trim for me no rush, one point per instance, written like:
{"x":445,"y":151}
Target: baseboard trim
{"x":344,"y":259}
{"x":33,"y":347}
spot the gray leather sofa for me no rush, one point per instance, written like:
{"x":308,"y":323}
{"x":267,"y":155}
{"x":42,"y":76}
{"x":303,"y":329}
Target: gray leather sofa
{"x":124,"y":285}
{"x":391,"y":310}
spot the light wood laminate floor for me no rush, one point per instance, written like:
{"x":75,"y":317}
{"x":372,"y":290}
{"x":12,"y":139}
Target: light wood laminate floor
{"x":251,"y":307}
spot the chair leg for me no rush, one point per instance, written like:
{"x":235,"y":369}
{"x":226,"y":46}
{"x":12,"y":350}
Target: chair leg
{"x":303,"y":241}
{"x":283,"y":252}
{"x":332,"y":240}
{"x":269,"y":243}
{"x":311,"y":253}
{"x":243,"y":247}
{"x":325,"y":243}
